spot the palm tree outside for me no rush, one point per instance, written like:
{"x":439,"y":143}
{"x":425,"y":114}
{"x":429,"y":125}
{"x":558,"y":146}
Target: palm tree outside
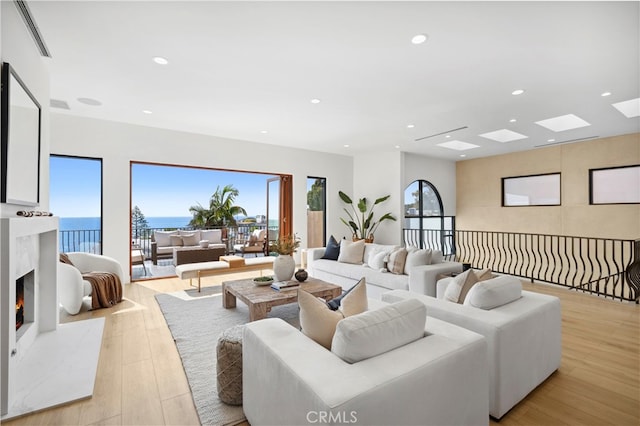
{"x":221,"y":211}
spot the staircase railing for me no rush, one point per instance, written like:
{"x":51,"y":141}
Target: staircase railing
{"x":607,"y":267}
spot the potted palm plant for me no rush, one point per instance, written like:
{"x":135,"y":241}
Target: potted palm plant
{"x":362,"y":223}
{"x":284,"y":265}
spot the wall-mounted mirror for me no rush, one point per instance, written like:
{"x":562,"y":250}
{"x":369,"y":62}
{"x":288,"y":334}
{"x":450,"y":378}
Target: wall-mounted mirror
{"x":20,"y":145}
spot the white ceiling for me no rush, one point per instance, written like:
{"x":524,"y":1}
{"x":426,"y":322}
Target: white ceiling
{"x":239,"y":68}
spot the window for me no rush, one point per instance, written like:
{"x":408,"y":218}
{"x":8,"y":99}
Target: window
{"x":75,"y":195}
{"x":615,"y":185}
{"x":316,"y":211}
{"x":534,"y":190}
{"x":425,"y":225}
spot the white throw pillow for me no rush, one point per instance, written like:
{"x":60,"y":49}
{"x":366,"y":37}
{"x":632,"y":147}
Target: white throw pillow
{"x":436,"y":257}
{"x":377,"y":260}
{"x":495,"y":292}
{"x":378,"y":331}
{"x":417,"y":257}
{"x":213,"y":235}
{"x":162,"y":237}
{"x":351,"y":251}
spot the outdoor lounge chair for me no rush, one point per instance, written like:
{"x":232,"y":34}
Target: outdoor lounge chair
{"x":255,"y":243}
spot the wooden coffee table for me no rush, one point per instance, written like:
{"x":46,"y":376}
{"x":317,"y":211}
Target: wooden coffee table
{"x":260,"y":299}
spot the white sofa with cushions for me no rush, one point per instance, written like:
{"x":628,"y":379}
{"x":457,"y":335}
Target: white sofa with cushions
{"x":419,"y":271}
{"x":522,"y":328}
{"x":386,"y":366}
{"x":164,"y":242}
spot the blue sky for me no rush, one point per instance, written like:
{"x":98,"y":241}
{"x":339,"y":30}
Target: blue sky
{"x":157,"y":190}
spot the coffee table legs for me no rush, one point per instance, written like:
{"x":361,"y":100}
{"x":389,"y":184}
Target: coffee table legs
{"x":228,"y":299}
{"x":257,"y":312}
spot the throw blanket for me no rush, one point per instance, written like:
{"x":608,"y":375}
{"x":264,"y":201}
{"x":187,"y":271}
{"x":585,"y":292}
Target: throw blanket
{"x":106,"y":289}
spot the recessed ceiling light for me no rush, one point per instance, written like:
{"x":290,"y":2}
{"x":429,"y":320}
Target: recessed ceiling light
{"x":146,"y":111}
{"x":160,"y":60}
{"x":503,"y":135}
{"x":458,"y":145}
{"x":410,"y":126}
{"x":563,"y":122}
{"x":551,"y":140}
{"x":463,"y":155}
{"x":346,"y":146}
{"x":263,"y":131}
{"x":517,"y":92}
{"x":419,"y":38}
{"x":513,"y":120}
{"x":397,"y":146}
{"x":606,"y":94}
{"x":448,"y":136}
{"x":315,"y":101}
{"x":630,"y":108}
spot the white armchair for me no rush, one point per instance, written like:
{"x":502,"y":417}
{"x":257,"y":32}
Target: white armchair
{"x":72,"y":289}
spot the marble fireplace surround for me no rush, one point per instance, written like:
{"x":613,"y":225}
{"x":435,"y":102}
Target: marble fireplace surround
{"x":46,"y":363}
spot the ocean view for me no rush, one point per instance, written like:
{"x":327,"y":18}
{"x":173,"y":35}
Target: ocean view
{"x":93,"y":223}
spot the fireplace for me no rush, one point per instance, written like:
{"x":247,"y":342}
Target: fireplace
{"x":42,"y":363}
{"x":24,"y":302}
{"x":19,"y":303}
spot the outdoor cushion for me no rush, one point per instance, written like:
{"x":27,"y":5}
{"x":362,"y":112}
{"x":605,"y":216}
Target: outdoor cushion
{"x":213,"y":235}
{"x":162,"y":237}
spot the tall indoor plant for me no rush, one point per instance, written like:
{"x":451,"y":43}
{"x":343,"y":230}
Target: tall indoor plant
{"x":361,"y":222}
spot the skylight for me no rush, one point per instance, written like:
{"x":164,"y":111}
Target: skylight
{"x":458,"y":145}
{"x":630,"y":108}
{"x":563,"y":122}
{"x":503,"y":135}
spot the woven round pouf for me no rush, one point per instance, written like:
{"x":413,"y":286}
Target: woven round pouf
{"x":229,"y":365}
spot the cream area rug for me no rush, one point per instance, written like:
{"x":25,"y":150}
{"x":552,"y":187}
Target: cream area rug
{"x":196,"y":324}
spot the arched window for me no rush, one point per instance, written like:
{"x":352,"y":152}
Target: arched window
{"x":425,"y":224}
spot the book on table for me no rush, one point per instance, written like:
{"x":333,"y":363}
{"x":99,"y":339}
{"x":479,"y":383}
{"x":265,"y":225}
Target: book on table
{"x":284,"y":285}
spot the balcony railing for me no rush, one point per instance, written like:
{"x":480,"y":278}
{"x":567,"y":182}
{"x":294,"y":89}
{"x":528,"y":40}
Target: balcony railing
{"x":84,"y":240}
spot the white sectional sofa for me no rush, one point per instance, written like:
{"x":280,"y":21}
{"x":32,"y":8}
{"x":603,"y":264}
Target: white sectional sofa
{"x":523,"y":336}
{"x":419,"y":279}
{"x":439,"y":379}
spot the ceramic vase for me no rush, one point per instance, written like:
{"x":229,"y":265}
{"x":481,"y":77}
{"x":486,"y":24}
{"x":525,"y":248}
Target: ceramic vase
{"x":301,"y":275}
{"x":283,"y":267}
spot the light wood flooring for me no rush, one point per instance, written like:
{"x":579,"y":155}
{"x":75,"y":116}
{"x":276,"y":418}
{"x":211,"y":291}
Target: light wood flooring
{"x":141,"y":381}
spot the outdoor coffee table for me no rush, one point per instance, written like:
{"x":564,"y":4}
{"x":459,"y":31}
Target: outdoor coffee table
{"x":260,"y":299}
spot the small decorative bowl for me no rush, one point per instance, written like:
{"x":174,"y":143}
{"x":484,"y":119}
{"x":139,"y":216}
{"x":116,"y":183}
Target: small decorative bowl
{"x":263,"y":281}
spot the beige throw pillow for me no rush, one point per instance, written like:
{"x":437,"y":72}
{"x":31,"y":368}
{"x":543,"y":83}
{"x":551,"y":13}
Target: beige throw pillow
{"x":351,"y":251}
{"x":472,"y":279}
{"x":454,"y":289}
{"x":484,"y":274}
{"x":356,"y":301}
{"x":397,"y":258}
{"x":190,"y":240}
{"x":175,"y":240}
{"x":317,"y":321}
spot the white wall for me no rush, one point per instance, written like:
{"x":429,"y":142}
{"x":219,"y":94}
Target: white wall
{"x":440,"y":173}
{"x":119,"y":143}
{"x":375,"y":175}
{"x":20,"y":51}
